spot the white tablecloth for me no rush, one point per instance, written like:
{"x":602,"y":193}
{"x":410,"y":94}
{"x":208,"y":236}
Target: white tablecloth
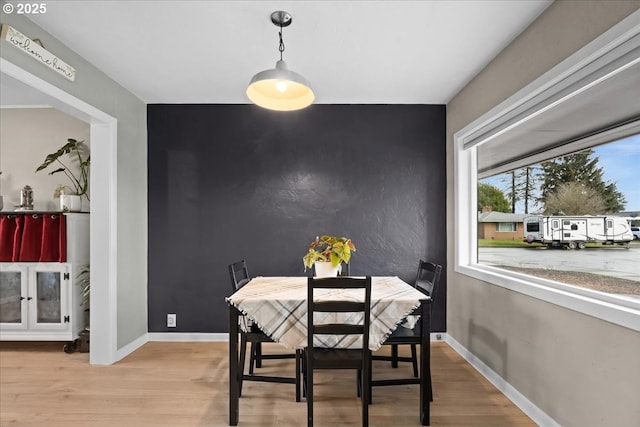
{"x":278,"y":305}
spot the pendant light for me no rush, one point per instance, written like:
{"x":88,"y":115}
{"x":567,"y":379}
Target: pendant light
{"x":280,"y":88}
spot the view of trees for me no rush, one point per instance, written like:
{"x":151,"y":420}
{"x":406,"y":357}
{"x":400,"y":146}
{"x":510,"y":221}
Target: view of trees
{"x":523,"y":187}
{"x":581,"y":168}
{"x":488,"y":195}
{"x":574,"y":198}
{"x":571,"y":184}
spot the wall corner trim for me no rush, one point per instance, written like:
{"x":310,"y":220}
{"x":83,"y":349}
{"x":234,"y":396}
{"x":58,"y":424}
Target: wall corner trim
{"x":131,"y":347}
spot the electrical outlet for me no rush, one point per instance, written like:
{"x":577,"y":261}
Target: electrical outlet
{"x":171,"y":320}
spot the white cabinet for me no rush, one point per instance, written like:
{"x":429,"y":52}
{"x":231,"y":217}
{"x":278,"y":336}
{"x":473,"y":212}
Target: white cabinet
{"x":41,"y":301}
{"x":37,"y":302}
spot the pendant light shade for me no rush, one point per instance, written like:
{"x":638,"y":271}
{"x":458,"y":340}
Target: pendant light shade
{"x":279,"y":88}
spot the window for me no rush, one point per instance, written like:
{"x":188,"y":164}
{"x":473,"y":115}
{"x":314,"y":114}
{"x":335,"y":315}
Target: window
{"x":605,"y":266}
{"x":506,"y":226}
{"x":551,"y":117}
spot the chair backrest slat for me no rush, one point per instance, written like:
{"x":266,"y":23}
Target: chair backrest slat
{"x":339,"y":306}
{"x":345,"y":269}
{"x":428,"y":277}
{"x":338,"y":329}
{"x":340,"y":282}
{"x":239,"y":274}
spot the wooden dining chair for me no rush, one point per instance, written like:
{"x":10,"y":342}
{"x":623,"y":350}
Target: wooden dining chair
{"x":318,"y":357}
{"x":251,"y":333}
{"x":419,"y":335}
{"x":426,"y":282}
{"x":427,"y":279}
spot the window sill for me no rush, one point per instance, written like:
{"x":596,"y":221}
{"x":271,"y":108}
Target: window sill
{"x":617,"y":310}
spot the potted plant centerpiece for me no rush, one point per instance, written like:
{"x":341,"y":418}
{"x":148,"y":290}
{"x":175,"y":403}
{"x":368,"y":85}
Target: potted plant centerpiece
{"x":327,"y":253}
{"x":70,"y":197}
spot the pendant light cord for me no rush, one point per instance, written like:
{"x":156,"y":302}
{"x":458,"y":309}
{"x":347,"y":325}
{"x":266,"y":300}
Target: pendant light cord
{"x":281,"y":46}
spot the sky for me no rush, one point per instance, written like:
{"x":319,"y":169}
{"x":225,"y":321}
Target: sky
{"x":620,"y":161}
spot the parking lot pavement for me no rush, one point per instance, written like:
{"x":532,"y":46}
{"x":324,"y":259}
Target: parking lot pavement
{"x":608,"y":261}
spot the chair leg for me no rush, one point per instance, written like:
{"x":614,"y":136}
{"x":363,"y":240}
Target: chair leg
{"x":430,"y":386}
{"x":366,"y":389}
{"x":298,"y":353}
{"x":252,"y":357}
{"x":394,"y":355}
{"x":309,"y":391}
{"x":304,"y":374}
{"x":359,"y":382}
{"x":258,"y":357}
{"x":414,"y":360}
{"x":243,"y":354}
{"x":370,"y":397}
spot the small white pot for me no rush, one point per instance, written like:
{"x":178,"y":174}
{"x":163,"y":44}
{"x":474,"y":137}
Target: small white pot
{"x":325,"y":269}
{"x":70,"y":203}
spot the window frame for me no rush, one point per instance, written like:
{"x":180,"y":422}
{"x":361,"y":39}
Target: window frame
{"x":562,"y":82}
{"x":513,"y":227}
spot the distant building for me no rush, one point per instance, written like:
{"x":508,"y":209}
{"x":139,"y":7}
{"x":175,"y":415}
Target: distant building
{"x":632,"y":216}
{"x":500,"y":225}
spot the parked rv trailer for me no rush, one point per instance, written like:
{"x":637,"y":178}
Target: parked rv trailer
{"x":576,"y":231}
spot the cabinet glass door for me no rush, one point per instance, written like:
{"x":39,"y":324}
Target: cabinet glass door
{"x":12,"y":297}
{"x":48,"y":308}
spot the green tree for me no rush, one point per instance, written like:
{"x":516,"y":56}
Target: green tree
{"x":488,"y":195}
{"x":581,"y":167}
{"x":614,"y":199}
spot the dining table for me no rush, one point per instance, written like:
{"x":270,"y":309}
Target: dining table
{"x":278,"y":306}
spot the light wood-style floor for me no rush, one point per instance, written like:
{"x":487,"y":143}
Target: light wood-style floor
{"x":185,"y":384}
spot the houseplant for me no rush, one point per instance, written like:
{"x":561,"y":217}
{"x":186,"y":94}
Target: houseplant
{"x":70,"y":197}
{"x":327,"y":253}
{"x":84,"y":281}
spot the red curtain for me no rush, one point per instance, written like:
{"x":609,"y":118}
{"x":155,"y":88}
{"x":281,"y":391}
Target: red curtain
{"x":52,"y":232}
{"x":10,"y":237}
{"x":33,"y":237}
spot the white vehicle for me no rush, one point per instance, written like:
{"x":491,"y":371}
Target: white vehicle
{"x":636,"y":232}
{"x":575,"y":231}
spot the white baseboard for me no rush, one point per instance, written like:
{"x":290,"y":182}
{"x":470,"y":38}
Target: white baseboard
{"x":536,"y":414}
{"x":168,"y":337}
{"x":131,"y":347}
{"x":188,"y":336}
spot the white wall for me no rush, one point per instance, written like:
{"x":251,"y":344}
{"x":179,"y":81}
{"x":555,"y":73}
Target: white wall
{"x":579,"y":370}
{"x":27,"y":136}
{"x":129,"y":247}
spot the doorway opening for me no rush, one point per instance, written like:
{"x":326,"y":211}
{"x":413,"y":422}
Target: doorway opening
{"x":103,"y":229}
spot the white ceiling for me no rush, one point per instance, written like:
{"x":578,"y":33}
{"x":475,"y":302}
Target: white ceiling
{"x":369,"y":52}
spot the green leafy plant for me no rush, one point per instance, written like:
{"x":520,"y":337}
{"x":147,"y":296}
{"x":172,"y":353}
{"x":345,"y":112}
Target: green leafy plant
{"x":80,"y":183}
{"x":84,"y":281}
{"x":329,"y":248}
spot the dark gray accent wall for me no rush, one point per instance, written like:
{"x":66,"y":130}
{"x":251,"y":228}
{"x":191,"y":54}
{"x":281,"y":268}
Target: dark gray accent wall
{"x":231,"y":182}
